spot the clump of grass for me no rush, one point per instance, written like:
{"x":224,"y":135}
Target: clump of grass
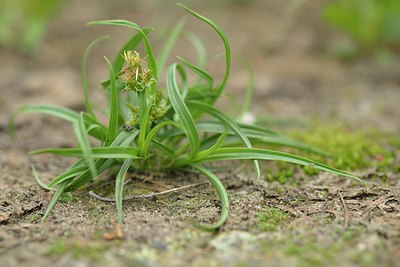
{"x":270,"y":218}
{"x":148,"y":130}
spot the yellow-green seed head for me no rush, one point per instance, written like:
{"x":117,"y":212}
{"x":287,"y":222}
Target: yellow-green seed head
{"x":134,"y":73}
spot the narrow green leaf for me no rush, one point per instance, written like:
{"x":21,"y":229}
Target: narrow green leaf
{"x":228,"y":121}
{"x":123,"y":138}
{"x":182,"y":111}
{"x":56,"y":111}
{"x":149,"y":51}
{"x":114,"y":107}
{"x":129,"y":45}
{"x":249,"y":89}
{"x":214,"y":147}
{"x":94,"y":127}
{"x":268,"y":136}
{"x":169,"y":44}
{"x":149,"y":137}
{"x":86,"y":100}
{"x":85,"y":176}
{"x":258,"y":129}
{"x":222,"y":194}
{"x":38,"y":180}
{"x":81,"y":136}
{"x":184,"y":81}
{"x":266,"y":154}
{"x":97,"y":152}
{"x":165,"y":149}
{"x":202,"y":73}
{"x":119,"y":187}
{"x":53,"y":201}
{"x":257,"y":136}
{"x":144,"y":117}
{"x":69,"y":174}
{"x":218,"y":126}
{"x":221,"y":85}
{"x":201,"y":51}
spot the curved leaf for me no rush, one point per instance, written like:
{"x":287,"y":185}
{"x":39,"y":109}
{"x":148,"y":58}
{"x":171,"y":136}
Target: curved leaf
{"x":202,"y":73}
{"x":228,"y":121}
{"x":114,"y":107}
{"x":266,"y":154}
{"x":86,"y":100}
{"x":81,"y":136}
{"x":223,"y":196}
{"x":169,"y":44}
{"x":149,"y":51}
{"x":119,"y":186}
{"x":182,"y":111}
{"x":97,"y":152}
{"x":55,"y":111}
{"x":53,"y":201}
{"x":38,"y":180}
{"x":221,"y":85}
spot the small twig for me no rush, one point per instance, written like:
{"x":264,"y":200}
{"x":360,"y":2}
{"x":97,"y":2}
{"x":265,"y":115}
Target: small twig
{"x":152,"y":195}
{"x":346,"y":211}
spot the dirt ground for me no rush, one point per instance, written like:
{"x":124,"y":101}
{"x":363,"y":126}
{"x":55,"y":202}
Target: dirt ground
{"x":320,"y":220}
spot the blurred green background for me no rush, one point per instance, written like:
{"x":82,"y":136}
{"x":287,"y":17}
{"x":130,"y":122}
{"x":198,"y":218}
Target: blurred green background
{"x":360,"y":26}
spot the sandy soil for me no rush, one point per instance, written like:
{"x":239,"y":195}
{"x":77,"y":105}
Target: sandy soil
{"x":329,"y":221}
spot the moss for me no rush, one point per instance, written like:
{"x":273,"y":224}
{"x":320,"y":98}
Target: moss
{"x":351,"y":150}
{"x":77,"y":249}
{"x":311,"y":249}
{"x":270,"y":218}
{"x":282,"y":174}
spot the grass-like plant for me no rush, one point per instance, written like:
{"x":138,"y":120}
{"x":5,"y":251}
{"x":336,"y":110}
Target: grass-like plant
{"x":147,"y":130}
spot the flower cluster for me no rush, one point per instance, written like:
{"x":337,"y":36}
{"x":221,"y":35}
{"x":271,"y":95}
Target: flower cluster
{"x":134,"y":73}
{"x":138,"y":78}
{"x":159,"y":108}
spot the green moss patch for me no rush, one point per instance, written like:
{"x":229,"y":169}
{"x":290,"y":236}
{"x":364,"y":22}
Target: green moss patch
{"x":270,"y":218}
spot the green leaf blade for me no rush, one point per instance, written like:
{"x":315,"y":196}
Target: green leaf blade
{"x":230,"y":123}
{"x":119,"y":186}
{"x":120,"y":152}
{"x":182,"y":110}
{"x":38,"y":180}
{"x":169,"y":44}
{"x":81,"y":136}
{"x":222,"y":194}
{"x":266,"y":154}
{"x":55,"y":111}
{"x":86,"y":100}
{"x":149,"y":51}
{"x":220,"y":87}
{"x":55,"y":198}
{"x":200,"y":72}
{"x":114,"y":107}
